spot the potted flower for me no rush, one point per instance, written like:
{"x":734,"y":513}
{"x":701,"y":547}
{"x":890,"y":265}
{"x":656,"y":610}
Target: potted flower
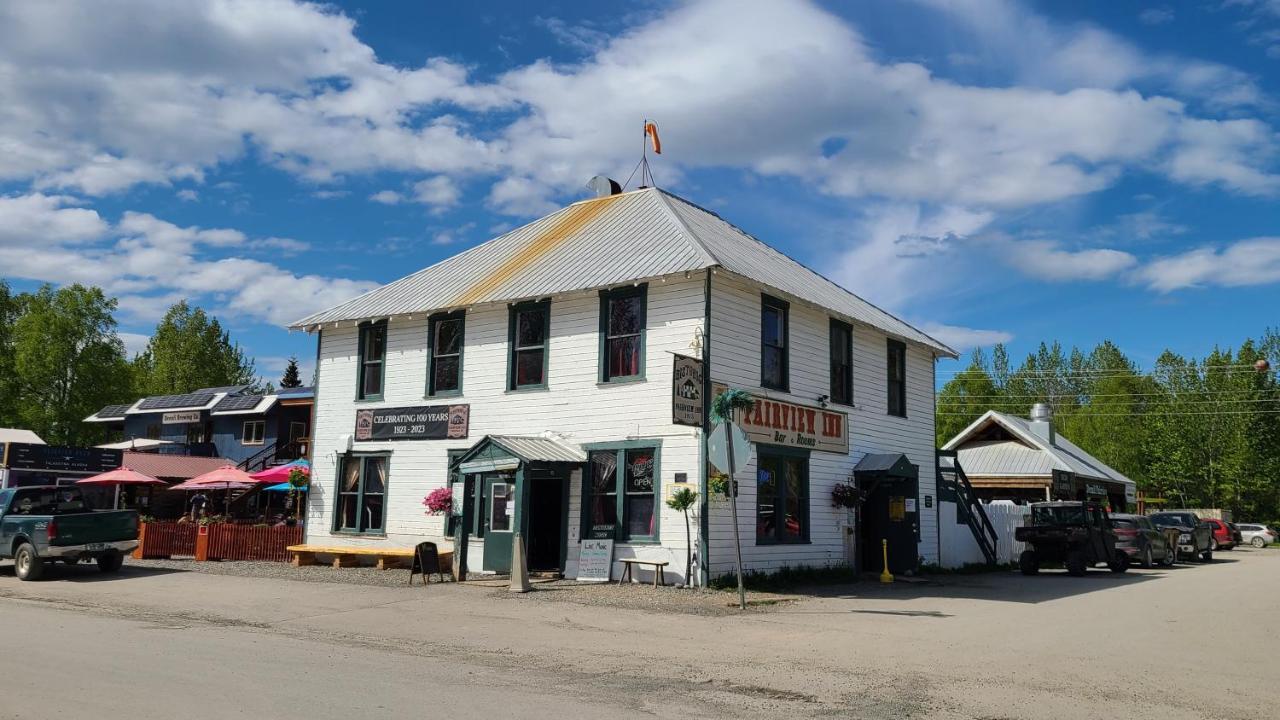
{"x":844,"y":495}
{"x":439,"y":501}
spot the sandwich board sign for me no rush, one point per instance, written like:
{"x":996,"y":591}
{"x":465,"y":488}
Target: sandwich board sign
{"x":595,"y":560}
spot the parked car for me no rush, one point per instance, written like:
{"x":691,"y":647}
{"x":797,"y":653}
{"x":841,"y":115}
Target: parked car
{"x":40,"y":524}
{"x":1195,"y":536}
{"x":1143,"y":542}
{"x":1223,"y":537}
{"x":1076,"y":534}
{"x":1258,"y":536}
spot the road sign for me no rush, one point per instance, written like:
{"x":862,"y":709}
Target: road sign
{"x":718,"y":448}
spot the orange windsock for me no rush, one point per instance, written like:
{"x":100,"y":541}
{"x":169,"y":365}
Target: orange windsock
{"x":651,"y":131}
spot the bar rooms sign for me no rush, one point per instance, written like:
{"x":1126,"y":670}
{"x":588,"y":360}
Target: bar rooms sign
{"x":425,"y":422}
{"x":778,"y":422}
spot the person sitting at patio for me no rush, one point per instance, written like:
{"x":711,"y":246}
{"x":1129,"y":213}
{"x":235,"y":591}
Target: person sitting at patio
{"x":198,"y":501}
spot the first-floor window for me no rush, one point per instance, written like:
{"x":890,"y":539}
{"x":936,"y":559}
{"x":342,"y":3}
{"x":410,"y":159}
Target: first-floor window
{"x":621,"y":493}
{"x":782,"y":497}
{"x":255,"y":432}
{"x":362,"y":491}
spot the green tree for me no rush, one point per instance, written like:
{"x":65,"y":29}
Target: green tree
{"x":188,"y":351}
{"x":682,"y":501}
{"x":8,"y":382}
{"x":965,"y":397}
{"x":290,"y":378}
{"x":68,"y":361}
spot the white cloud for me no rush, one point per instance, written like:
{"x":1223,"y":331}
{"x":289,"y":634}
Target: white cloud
{"x":134,"y":343}
{"x":36,"y":219}
{"x":440,"y":192}
{"x":387,"y":197}
{"x":962,"y":339}
{"x":1046,"y":260}
{"x":1156,"y":16}
{"x":1255,"y":261}
{"x":149,"y":263}
{"x":188,"y":195}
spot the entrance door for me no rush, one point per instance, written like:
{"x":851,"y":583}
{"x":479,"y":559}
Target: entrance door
{"x":885,"y":516}
{"x":498,"y":514}
{"x":546,"y":522}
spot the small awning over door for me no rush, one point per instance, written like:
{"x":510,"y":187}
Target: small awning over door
{"x":889,"y":465}
{"x":507,"y":452}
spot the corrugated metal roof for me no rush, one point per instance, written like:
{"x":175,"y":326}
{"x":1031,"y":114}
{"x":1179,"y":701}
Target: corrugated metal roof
{"x":603,"y":242}
{"x":171,"y":467}
{"x":1062,"y":454}
{"x":540,"y":449}
{"x":1004,"y":457}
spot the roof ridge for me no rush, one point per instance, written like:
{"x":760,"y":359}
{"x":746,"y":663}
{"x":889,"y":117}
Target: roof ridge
{"x":663,"y":198}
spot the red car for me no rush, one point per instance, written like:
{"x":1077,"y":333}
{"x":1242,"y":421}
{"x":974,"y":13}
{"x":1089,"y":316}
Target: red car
{"x":1223,"y":536}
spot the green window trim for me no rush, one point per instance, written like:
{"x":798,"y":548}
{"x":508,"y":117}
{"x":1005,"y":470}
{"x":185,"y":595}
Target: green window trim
{"x":620,"y":529}
{"x":606,"y":296}
{"x":363,"y":458}
{"x":512,"y":349}
{"x":896,"y":375}
{"x":783,"y":308}
{"x":364,"y":364}
{"x":767,"y":453}
{"x":433,"y":322}
{"x":840,"y":335}
{"x":453,"y":480}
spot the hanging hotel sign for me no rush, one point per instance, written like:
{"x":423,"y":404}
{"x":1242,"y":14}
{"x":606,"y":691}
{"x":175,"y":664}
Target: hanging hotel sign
{"x":178,"y":418}
{"x":423,"y":422}
{"x":778,"y":422}
{"x":686,"y":391}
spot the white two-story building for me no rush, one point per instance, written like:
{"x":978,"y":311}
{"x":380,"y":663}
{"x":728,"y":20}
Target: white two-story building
{"x":536,"y":375}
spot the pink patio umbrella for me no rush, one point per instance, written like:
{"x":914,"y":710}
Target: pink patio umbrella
{"x":227,"y":477}
{"x":120,"y":476}
{"x":281,"y":473}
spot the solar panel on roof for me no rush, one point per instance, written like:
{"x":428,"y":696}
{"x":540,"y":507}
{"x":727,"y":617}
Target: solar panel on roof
{"x":164,"y":402}
{"x":113,"y":411}
{"x":237,"y":402}
{"x":228,"y":389}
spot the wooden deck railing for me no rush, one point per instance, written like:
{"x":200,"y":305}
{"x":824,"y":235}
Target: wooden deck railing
{"x":165,"y":539}
{"x":217,"y":541}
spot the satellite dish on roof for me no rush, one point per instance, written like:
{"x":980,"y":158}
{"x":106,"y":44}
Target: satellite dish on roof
{"x":603,"y":186}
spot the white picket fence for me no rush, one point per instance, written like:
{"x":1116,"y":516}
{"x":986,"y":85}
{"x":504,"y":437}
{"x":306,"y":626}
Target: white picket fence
{"x":959,"y":548}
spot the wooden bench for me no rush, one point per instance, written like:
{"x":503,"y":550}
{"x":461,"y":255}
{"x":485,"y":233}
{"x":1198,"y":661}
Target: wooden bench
{"x":659,"y":574}
{"x":349,"y":556}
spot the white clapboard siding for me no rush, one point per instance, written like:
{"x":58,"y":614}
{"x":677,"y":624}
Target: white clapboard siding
{"x":735,"y":361}
{"x":575,"y":405}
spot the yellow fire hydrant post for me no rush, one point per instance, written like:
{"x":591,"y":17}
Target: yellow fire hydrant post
{"x":885,"y":577}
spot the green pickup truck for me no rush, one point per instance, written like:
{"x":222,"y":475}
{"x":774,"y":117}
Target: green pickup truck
{"x":42,"y":524}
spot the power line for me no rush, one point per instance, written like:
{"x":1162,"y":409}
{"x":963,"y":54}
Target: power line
{"x":1141,"y":415}
{"x":1174,"y":402}
{"x":1197,"y":370}
{"x":1174,"y":395}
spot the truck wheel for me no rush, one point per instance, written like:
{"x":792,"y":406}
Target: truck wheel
{"x":1121,"y":563}
{"x":1213,"y":544}
{"x":1206,"y":556}
{"x":1170,"y":557}
{"x":1075,"y":563}
{"x":26,"y":564}
{"x":1147,"y":562}
{"x":1028,"y":563}
{"x":1258,"y":542}
{"x":110,"y":562}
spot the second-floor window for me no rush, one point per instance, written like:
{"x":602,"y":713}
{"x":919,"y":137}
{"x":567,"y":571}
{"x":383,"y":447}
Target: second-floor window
{"x":622,"y":322}
{"x":255,"y":432}
{"x":897,"y":371}
{"x":841,"y":362}
{"x":444,"y":372}
{"x":773,"y":343}
{"x":373,"y":360}
{"x":529,"y":334}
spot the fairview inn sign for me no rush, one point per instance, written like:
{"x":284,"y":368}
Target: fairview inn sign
{"x":777,"y":422}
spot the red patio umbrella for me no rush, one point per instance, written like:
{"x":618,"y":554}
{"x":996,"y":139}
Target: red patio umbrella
{"x":120,"y":476}
{"x":227,"y":477}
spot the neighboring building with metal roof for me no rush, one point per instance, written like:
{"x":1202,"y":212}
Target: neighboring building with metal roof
{"x":557,"y":377}
{"x":232,"y":423}
{"x":1007,"y":457}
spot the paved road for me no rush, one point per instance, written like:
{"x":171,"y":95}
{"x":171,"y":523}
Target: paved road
{"x":1190,"y":642}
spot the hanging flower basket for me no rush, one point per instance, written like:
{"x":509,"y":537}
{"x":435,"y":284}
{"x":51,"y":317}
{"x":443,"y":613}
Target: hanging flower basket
{"x":844,"y":495}
{"x":439,"y":501}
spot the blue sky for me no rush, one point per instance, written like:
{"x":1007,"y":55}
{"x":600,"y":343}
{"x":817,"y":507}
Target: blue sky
{"x":987,"y":170}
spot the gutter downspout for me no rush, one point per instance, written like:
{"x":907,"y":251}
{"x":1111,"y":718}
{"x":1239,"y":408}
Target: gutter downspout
{"x":704,"y":503}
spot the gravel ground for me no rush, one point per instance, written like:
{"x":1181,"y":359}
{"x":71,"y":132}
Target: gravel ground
{"x":633,"y":596}
{"x":285,"y":571}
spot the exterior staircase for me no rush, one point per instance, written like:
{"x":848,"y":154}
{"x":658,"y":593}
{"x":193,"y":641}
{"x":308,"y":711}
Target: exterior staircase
{"x":969,"y":509}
